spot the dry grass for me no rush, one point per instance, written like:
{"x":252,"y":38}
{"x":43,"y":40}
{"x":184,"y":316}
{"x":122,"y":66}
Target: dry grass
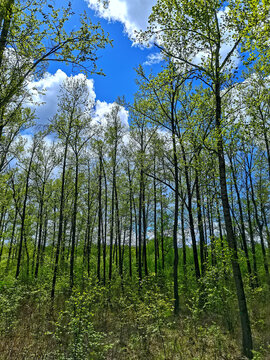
{"x":175,"y":339}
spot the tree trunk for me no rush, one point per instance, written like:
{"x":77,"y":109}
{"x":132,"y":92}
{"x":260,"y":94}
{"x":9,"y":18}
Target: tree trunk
{"x":200,"y":223}
{"x":191,"y":220}
{"x":118,"y":232}
{"x":175,"y":224}
{"x":260,"y":228}
{"x":244,"y":316}
{"x":251,"y":235}
{"x":130,"y":221}
{"x":184,"y":243}
{"x":105,"y":225}
{"x":242,"y":224}
{"x":155,"y":220}
{"x":40,"y":229}
{"x":144,"y":227}
{"x":74,"y":224}
{"x":60,"y":224}
{"x":22,"y":233}
{"x":99,"y":216}
{"x":12,"y":238}
{"x":112,"y":217}
{"x":162,"y":229}
{"x":4,"y":33}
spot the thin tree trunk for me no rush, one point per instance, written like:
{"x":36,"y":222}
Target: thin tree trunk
{"x":130,"y":221}
{"x":175,"y":224}
{"x":200,"y":223}
{"x":112,"y":218}
{"x":144,"y":227}
{"x":211,"y":233}
{"x":74,"y":224}
{"x":162,"y":229}
{"x":12,"y":238}
{"x":99,"y":216}
{"x":244,"y":316}
{"x":2,"y":232}
{"x":60,"y":224}
{"x":184,"y":243}
{"x":191,"y":220}
{"x":251,"y":235}
{"x":242,"y":224}
{"x":140,"y":229}
{"x":155,"y":220}
{"x":118,"y":232}
{"x":40,"y":229}
{"x":105,"y":225}
{"x":22,"y":233}
{"x":260,"y":228}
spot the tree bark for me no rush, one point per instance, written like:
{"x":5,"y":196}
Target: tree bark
{"x":22,"y":232}
{"x":244,"y":316}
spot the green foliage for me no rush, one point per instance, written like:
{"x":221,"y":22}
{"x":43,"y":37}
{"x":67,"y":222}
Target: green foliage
{"x":119,"y":316}
{"x":75,"y":334}
{"x":11,"y":296}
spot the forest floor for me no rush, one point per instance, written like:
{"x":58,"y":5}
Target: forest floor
{"x":121,"y":323}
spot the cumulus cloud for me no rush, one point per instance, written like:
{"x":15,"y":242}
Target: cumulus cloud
{"x":45,"y":94}
{"x":103,"y":108}
{"x":133,"y":14}
{"x":153,"y":58}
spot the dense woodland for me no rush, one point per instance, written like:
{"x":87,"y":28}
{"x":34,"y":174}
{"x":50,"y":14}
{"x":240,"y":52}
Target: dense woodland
{"x":147,"y":240}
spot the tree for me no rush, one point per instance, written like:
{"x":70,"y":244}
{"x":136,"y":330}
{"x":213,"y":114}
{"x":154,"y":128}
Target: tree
{"x":192,"y":32}
{"x":46,"y":160}
{"x":114,"y":134}
{"x":23,"y":240}
{"x":25,"y":28}
{"x":158,"y":104}
{"x":72,"y":126}
{"x":32,"y":34}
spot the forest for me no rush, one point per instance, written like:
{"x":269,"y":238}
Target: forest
{"x":146,"y":239}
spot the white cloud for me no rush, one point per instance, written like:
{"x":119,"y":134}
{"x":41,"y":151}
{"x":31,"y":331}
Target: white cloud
{"x":45,"y":94}
{"x":103,"y":108}
{"x":153,"y":58}
{"x":133,"y":14}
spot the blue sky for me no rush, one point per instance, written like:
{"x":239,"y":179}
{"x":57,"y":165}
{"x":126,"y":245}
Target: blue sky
{"x":119,"y":19}
{"x":118,"y":62}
